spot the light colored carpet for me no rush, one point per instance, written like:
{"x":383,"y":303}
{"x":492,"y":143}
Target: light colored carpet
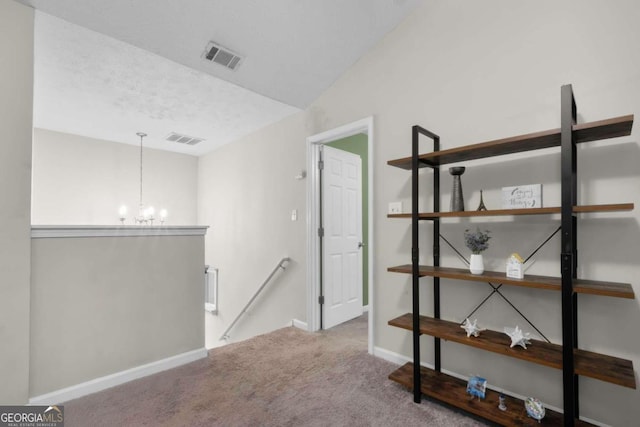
{"x":285,"y":378}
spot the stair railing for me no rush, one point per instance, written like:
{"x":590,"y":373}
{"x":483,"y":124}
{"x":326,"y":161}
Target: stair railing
{"x":282,"y":265}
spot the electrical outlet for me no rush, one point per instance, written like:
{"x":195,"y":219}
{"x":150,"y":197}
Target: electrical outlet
{"x":395,"y":207}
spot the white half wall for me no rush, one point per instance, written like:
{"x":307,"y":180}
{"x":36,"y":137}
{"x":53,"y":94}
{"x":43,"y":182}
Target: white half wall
{"x":105,"y":305}
{"x":247,"y":192}
{"x":80,"y":180}
{"x":16,"y":111}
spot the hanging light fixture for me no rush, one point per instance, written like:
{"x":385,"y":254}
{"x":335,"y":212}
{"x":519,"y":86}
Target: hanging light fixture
{"x":146,"y":215}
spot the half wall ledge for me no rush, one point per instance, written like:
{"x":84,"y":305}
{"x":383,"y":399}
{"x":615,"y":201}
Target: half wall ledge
{"x":75,"y":231}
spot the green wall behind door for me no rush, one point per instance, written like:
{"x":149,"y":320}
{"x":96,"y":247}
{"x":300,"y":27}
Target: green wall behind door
{"x":357,"y":144}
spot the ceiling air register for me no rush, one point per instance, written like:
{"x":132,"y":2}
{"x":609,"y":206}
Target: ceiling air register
{"x":222,"y":56}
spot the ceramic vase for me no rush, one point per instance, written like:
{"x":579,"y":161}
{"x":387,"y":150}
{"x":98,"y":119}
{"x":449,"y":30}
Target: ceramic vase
{"x":457,"y":200}
{"x":476,"y":264}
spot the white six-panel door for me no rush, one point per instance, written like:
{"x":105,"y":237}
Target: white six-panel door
{"x":342,"y":242}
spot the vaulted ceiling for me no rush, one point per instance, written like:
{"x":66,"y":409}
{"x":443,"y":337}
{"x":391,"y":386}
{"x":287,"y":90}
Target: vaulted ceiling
{"x":108,"y":69}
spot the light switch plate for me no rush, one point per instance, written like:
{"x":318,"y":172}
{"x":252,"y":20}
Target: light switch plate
{"x":294,"y":215}
{"x":395,"y":207}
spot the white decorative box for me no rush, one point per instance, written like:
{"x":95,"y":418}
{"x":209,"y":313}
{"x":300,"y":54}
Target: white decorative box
{"x":515,"y":267}
{"x":522,"y":196}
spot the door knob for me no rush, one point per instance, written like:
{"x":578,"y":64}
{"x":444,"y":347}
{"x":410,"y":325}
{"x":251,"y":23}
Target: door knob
{"x":360,"y":245}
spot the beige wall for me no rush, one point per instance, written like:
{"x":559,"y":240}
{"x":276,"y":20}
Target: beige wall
{"x":247,"y":191}
{"x":69,"y":191}
{"x":473,"y":71}
{"x":104,"y":305}
{"x":16,"y":106}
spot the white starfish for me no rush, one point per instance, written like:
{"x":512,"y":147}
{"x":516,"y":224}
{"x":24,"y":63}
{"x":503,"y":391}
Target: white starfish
{"x":518,"y":337}
{"x":472,"y":327}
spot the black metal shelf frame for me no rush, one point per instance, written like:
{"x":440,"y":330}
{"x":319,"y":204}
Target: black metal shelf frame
{"x":415,"y":254}
{"x":568,"y":254}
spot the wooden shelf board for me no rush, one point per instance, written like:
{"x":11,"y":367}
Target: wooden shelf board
{"x":589,"y":364}
{"x":618,"y":207}
{"x":585,"y":132}
{"x":453,"y":391}
{"x":592,"y":287}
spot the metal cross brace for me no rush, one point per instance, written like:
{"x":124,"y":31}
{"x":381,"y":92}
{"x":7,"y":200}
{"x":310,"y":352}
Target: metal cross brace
{"x":496,"y":289}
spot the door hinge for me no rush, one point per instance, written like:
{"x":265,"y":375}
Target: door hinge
{"x":321,"y":299}
{"x":320,"y":232}
{"x":321,"y":164}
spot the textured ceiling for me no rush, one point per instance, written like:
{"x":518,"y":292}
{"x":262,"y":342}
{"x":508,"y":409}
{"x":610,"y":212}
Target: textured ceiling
{"x":93,"y":85}
{"x":96,"y":83}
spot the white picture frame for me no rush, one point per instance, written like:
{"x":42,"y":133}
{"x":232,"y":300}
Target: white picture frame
{"x":522,"y":196}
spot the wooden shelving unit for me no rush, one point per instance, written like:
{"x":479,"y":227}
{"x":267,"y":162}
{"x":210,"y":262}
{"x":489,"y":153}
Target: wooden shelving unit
{"x":620,"y":207}
{"x":589,"y":364}
{"x":586,"y":132}
{"x":568,"y":357}
{"x":453,"y":391}
{"x":593,"y":287}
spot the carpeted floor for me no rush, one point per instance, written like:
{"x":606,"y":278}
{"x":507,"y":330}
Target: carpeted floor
{"x":285,"y":378}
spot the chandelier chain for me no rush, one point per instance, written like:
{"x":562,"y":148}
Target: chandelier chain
{"x":141,"y":135}
{"x":145,"y":216}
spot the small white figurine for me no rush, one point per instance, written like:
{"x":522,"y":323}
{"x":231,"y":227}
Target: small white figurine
{"x":515,"y":267}
{"x":472,"y":327}
{"x":518,"y":337}
{"x":501,"y":399}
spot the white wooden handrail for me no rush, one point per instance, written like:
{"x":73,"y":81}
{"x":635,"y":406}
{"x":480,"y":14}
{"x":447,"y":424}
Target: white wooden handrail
{"x":282,"y":265}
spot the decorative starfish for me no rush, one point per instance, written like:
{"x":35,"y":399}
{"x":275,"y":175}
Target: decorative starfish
{"x":518,"y":337}
{"x":472,"y":327}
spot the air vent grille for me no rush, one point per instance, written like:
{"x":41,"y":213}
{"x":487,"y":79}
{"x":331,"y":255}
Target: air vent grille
{"x":183,"y":139}
{"x":222,"y":56}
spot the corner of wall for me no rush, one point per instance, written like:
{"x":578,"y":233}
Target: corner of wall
{"x":16,"y":122}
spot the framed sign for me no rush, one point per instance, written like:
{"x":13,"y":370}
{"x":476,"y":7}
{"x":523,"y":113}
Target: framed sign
{"x":522,"y":196}
{"x":477,"y":387}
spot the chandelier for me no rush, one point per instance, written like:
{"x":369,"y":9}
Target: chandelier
{"x":146,"y":214}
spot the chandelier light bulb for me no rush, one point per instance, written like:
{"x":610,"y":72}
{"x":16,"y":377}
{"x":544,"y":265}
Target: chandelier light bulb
{"x":122,"y":212}
{"x":163,"y":215}
{"x":149,"y":215}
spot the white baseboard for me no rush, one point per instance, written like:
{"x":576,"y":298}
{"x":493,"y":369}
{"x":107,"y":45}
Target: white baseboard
{"x":399,"y":359}
{"x":216,"y":344}
{"x":390,"y":356}
{"x":102,"y":383}
{"x":365,"y":308}
{"x":300,"y":324}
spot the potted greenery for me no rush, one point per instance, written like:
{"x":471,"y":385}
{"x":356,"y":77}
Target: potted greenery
{"x":477,"y":242}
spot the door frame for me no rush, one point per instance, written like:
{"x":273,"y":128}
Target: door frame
{"x":313,"y":219}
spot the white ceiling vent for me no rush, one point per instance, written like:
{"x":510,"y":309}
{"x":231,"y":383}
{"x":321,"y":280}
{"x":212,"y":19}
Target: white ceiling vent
{"x":183,"y":139}
{"x":221,"y":55}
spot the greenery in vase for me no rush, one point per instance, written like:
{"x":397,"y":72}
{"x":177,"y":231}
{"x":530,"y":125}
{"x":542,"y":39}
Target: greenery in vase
{"x":477,"y":241}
